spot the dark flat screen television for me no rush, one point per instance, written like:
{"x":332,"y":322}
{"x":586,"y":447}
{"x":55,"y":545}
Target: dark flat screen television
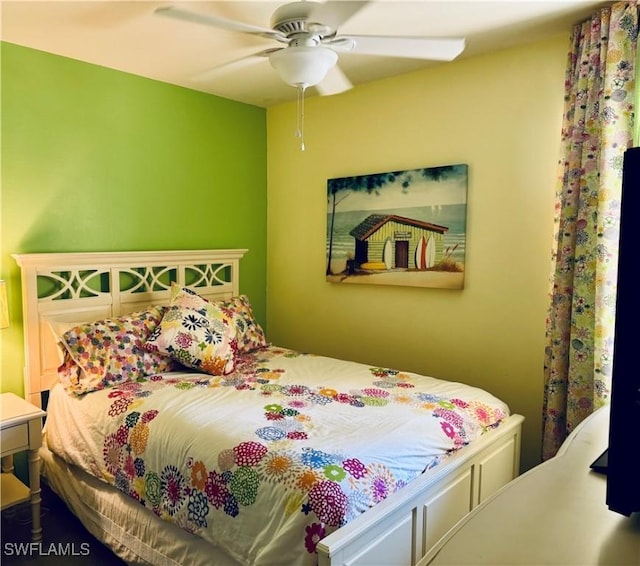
{"x":621,"y":461}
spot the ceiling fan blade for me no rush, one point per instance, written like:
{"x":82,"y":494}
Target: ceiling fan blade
{"x":234,"y":65}
{"x":222,"y":23}
{"x":334,"y":83}
{"x":432,"y":48}
{"x":335,"y":14}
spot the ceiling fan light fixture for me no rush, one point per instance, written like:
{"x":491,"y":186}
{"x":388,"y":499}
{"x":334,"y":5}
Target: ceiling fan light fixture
{"x":303,"y":66}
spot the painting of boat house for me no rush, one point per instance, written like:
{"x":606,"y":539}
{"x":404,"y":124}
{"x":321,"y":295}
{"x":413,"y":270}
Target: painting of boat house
{"x":388,"y":241}
{"x":398,"y":228}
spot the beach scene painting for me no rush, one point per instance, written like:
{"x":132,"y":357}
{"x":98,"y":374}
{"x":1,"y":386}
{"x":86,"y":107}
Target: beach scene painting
{"x":398,"y":228}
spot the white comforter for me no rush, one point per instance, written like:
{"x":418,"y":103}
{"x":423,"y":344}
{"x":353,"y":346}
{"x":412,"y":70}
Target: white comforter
{"x":267,"y":461}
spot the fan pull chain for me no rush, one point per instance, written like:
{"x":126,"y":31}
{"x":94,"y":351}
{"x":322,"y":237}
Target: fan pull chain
{"x":300,"y":115}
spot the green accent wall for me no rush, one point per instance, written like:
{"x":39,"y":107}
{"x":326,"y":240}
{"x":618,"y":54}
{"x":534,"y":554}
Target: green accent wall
{"x":96,"y":159}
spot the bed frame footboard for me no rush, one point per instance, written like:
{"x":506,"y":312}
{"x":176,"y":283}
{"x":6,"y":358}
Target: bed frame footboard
{"x":408,"y":528}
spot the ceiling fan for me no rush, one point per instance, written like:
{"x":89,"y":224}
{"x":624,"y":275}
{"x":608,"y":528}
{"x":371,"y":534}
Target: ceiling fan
{"x":309,"y":32}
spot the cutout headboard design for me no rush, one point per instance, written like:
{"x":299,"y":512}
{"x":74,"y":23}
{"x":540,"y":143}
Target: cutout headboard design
{"x":85,"y":287}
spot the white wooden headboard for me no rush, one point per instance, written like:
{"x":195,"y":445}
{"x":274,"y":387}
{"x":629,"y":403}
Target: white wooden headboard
{"x":85,"y":287}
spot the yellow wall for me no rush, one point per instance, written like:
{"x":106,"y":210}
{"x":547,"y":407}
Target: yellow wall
{"x":499,"y":113}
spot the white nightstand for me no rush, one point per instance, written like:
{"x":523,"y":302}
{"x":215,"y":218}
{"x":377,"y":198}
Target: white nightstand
{"x":21,"y":429}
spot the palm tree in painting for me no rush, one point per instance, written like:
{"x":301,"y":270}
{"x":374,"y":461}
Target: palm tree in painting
{"x":369,"y":183}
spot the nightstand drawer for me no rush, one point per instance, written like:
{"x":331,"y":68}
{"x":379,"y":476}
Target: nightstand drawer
{"x":14,"y":439}
{"x":20,"y":431}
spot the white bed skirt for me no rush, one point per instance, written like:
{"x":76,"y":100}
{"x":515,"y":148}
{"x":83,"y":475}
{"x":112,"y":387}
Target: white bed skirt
{"x":131,"y":530}
{"x":407,"y":528}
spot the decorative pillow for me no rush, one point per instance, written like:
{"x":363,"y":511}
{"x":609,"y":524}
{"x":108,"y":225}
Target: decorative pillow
{"x":58,"y":328}
{"x":197,"y":334}
{"x":111,"y":351}
{"x":249,"y":333}
{"x":186,"y":298}
{"x":69,"y":374}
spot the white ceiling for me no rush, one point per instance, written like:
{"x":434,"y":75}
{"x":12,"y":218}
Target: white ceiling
{"x":128,"y":36}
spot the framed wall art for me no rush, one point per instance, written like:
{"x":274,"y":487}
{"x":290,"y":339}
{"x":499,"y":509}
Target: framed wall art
{"x":398,"y":228}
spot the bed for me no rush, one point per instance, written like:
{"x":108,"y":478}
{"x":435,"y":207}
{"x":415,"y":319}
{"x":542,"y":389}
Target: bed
{"x":198,"y":442}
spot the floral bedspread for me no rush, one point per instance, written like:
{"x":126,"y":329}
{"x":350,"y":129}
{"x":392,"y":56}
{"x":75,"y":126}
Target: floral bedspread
{"x":267,"y":461}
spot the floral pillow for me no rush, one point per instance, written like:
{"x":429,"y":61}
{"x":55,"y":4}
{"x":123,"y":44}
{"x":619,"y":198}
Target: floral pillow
{"x":58,"y":328}
{"x":249,"y":333}
{"x":197,"y":334}
{"x":111,"y":351}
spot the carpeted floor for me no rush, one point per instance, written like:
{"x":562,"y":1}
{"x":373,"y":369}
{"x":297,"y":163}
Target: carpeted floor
{"x":65,"y":540}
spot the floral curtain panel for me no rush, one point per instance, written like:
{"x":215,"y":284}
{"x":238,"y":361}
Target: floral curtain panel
{"x":597,"y":128}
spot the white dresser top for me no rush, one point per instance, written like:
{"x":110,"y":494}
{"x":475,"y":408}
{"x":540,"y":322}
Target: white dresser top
{"x":555,"y":514}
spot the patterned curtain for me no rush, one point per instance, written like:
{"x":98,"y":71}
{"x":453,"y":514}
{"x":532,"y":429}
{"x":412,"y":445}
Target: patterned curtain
{"x":597,"y":128}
